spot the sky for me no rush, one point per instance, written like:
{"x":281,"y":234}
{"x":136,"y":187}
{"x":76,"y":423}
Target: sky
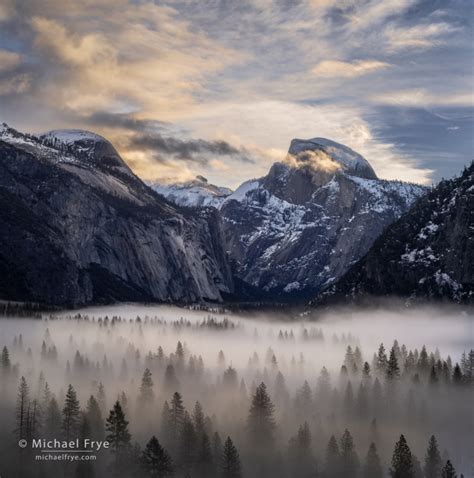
{"x":220,"y":87}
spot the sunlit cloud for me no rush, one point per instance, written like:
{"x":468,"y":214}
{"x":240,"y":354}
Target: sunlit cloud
{"x":345,"y":69}
{"x":420,"y":98}
{"x":419,"y":36}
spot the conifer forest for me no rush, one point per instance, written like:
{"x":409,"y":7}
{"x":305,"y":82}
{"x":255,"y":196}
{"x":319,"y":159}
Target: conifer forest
{"x":134,"y":391}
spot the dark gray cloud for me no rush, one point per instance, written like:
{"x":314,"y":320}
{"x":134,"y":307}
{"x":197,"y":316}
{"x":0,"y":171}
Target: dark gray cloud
{"x":127,"y":121}
{"x":165,"y":141}
{"x":197,"y":150}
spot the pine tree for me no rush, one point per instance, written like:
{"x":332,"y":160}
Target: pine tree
{"x":52,"y":419}
{"x":204,"y":457}
{"x":187,"y":445}
{"x":300,"y":454}
{"x":176,"y":420}
{"x":166,"y":428}
{"x":457,"y":375}
{"x":101,"y":399}
{"x":198,"y":420}
{"x":432,"y":468}
{"x":155,"y":461}
{"x":230,"y":462}
{"x":71,"y":415}
{"x":393,"y":371}
{"x":381,"y":361}
{"x":372,"y":467}
{"x":349,"y":458}
{"x":146,"y":395}
{"x":21,"y":412}
{"x":84,"y":469}
{"x":402,"y":462}
{"x":448,"y":471}
{"x":94,"y":417}
{"x":333,"y":458}
{"x":118,"y":436}
{"x":5,"y":362}
{"x":260,"y":423}
{"x":216,"y":447}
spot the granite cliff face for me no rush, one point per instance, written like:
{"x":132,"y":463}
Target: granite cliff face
{"x":427,"y":254}
{"x":299,"y":228}
{"x":78,"y":227}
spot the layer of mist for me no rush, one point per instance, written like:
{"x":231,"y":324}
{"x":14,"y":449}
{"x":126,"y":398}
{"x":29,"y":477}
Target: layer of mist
{"x":193,"y":378}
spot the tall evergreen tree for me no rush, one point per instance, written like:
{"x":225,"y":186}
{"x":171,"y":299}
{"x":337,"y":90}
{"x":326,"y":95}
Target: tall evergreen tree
{"x":177,"y":412}
{"x":402,"y":461}
{"x":22,"y":407}
{"x":71,"y":415}
{"x":118,"y":436}
{"x":198,"y":419}
{"x":187,"y":445}
{"x":372,"y":467}
{"x":433,"y":464}
{"x":146,"y":395}
{"x":333,"y":458}
{"x":5,"y":362}
{"x":94,"y":417}
{"x":204,"y":460}
{"x":52,"y":419}
{"x":393,"y":370}
{"x":448,"y":471}
{"x":349,"y":458}
{"x":302,"y":463}
{"x":381,"y":361}
{"x":230,"y":462}
{"x":261,"y":423}
{"x":155,"y":461}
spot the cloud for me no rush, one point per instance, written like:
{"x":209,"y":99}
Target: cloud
{"x":195,"y":150}
{"x":345,"y":69}
{"x":17,"y":84}
{"x":363,"y":15}
{"x":418,"y":36}
{"x":312,"y":161}
{"x":423,"y":98}
{"x":9,"y":60}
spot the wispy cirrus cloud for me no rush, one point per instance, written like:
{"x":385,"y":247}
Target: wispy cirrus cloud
{"x":421,"y":36}
{"x":348,"y":69}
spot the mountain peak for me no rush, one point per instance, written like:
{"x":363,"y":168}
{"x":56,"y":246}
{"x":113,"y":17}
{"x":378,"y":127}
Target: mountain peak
{"x":323,"y":153}
{"x":92,"y":147}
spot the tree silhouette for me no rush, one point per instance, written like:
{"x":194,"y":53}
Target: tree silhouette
{"x":260,"y":423}
{"x":372,"y":467}
{"x":147,"y":395}
{"x":230,"y":462}
{"x":155,"y":461}
{"x":333,"y":458}
{"x":448,"y":471}
{"x":402,"y":462}
{"x":118,"y":436}
{"x":71,"y":415}
{"x":432,"y":468}
{"x":349,"y":460}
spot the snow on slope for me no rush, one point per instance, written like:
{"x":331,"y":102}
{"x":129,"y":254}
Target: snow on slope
{"x":196,"y":193}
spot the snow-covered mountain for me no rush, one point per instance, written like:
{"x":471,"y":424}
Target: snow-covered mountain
{"x":196,"y":193}
{"x":300,"y":227}
{"x":427,"y":254}
{"x":77,"y":227}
